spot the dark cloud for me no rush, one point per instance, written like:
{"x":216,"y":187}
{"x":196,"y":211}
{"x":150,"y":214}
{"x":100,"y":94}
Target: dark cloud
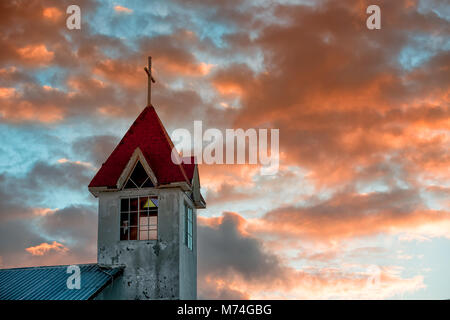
{"x":67,"y":175}
{"x":75,"y":228}
{"x":95,"y":148}
{"x":15,"y":236}
{"x":25,"y":224}
{"x":234,"y":263}
{"x":227,"y":193}
{"x":11,"y":208}
{"x":24,"y":227}
{"x":224,"y":252}
{"x":223,"y":248}
{"x":22,"y":197}
{"x":77,"y":223}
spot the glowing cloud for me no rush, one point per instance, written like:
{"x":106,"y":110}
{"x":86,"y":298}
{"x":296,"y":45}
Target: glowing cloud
{"x":44,"y":247}
{"x":38,"y":54}
{"x":52,"y":13}
{"x":122,"y":9}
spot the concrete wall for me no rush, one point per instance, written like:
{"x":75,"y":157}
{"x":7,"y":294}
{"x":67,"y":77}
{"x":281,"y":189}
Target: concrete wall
{"x":154,"y":269}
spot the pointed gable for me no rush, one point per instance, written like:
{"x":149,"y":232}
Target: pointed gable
{"x":139,"y":178}
{"x":149,"y":135}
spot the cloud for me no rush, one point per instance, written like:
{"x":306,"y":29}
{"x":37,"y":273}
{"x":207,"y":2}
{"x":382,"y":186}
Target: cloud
{"x":122,"y":9}
{"x":227,"y":239}
{"x":236,"y":265}
{"x":43,"y":211}
{"x":77,"y":162}
{"x":7,"y":92}
{"x":64,"y":236}
{"x":23,"y":198}
{"x":17,"y":235}
{"x":37,"y":54}
{"x":342,"y":110}
{"x":354,"y":216}
{"x":226,"y":193}
{"x":52,"y":13}
{"x":62,"y":174}
{"x":95,"y":148}
{"x":120,"y":72}
{"x":43,"y":248}
{"x":75,"y":223}
{"x":173,"y":54}
{"x":37,"y":48}
{"x":11,"y":208}
{"x":363,"y":119}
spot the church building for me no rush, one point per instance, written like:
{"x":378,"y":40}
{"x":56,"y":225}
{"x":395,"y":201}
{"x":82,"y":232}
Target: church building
{"x":147,"y":226}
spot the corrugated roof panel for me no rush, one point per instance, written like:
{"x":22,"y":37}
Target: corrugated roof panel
{"x":50,"y":282}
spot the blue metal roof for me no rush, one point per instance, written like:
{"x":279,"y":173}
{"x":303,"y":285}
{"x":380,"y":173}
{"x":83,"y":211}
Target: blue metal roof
{"x":50,"y":282}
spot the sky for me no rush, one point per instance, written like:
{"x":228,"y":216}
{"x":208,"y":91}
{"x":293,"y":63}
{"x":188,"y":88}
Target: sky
{"x":363,"y":187}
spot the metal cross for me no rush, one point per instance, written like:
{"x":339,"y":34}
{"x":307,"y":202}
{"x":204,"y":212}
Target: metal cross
{"x":148,"y":70}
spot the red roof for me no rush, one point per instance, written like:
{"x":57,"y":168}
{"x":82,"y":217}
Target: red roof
{"x":189,"y":166}
{"x":148,"y":133}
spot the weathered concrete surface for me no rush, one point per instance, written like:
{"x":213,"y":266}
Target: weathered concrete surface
{"x":154,"y":269}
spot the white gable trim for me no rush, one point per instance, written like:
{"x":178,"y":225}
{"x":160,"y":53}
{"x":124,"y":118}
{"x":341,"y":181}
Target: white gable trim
{"x":96,"y":190}
{"x":126,"y":173}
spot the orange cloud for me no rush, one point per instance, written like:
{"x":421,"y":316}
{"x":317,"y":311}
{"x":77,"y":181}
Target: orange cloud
{"x":113,"y":111}
{"x":7,"y":92}
{"x":43,"y":211}
{"x":122,"y":9}
{"x":226,"y":88}
{"x":38,"y":54}
{"x":214,"y":176}
{"x":331,"y":222}
{"x":119,"y":72}
{"x":52,"y":13}
{"x":192,"y":69}
{"x":43,"y":248}
{"x":26,"y":111}
{"x":314,"y":284}
{"x":242,"y":267}
{"x":87,"y":165}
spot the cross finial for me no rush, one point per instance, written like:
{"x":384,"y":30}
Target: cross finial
{"x":148,"y":70}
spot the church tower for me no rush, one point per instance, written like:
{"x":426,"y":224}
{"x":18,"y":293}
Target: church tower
{"x":147,"y":215}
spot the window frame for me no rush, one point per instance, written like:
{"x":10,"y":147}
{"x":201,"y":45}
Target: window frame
{"x":188,"y":236}
{"x":136,"y":187}
{"x":138,"y":214}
